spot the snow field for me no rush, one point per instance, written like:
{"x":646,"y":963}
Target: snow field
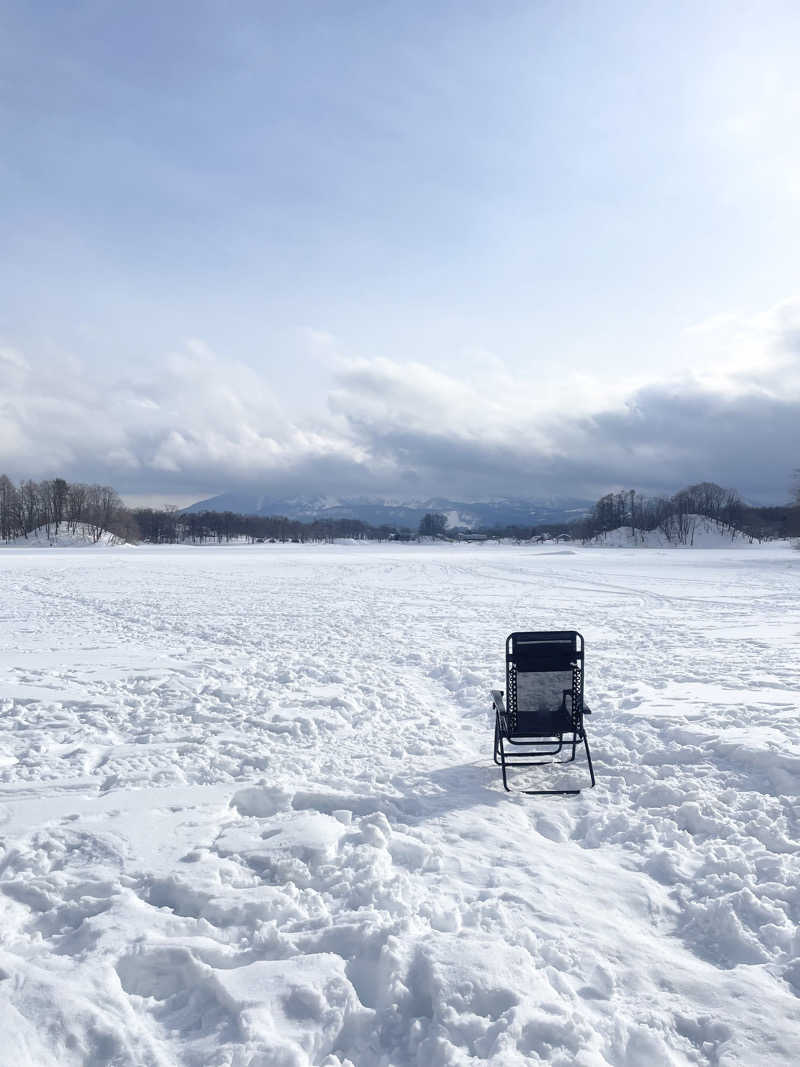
{"x":249,"y":813}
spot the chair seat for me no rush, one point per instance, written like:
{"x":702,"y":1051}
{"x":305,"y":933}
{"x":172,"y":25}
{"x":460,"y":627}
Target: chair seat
{"x":543,"y":723}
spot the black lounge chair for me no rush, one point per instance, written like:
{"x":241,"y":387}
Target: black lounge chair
{"x":545,"y":709}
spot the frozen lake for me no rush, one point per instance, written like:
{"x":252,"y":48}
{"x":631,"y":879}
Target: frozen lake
{"x":250,"y":817}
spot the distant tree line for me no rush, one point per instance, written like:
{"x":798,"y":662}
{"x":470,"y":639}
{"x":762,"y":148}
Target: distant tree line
{"x":673,"y":515}
{"x":168,"y":526}
{"x":55,"y":505}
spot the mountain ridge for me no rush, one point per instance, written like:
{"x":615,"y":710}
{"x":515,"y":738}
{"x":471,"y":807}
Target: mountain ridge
{"x":378,"y":511}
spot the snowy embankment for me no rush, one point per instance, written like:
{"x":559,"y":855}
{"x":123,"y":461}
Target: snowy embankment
{"x":691,"y":531}
{"x":250,"y":815}
{"x":687,"y":531}
{"x":67,"y":535}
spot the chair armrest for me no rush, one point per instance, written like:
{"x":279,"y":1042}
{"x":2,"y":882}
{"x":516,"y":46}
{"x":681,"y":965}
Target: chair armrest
{"x":500,"y":708}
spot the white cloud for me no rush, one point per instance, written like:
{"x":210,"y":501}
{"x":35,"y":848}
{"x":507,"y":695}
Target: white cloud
{"x":734,"y":352}
{"x":203,"y":423}
{"x":197,"y":418}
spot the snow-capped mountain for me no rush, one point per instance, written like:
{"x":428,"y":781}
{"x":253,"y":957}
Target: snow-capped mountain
{"x":470,"y":514}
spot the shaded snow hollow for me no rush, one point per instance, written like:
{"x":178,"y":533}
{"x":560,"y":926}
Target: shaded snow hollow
{"x":250,"y":816}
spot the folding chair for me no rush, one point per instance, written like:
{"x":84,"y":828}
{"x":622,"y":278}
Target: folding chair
{"x":544,"y":688}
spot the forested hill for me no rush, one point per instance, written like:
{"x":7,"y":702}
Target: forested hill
{"x":669,"y":514}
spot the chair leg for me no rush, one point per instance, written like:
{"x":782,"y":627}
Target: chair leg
{"x":550,"y":792}
{"x":503,"y":762}
{"x":543,"y":792}
{"x":588,"y":756}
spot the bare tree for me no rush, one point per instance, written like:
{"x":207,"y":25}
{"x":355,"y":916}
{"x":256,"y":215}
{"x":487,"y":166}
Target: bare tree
{"x":8,"y":509}
{"x":103,"y":507}
{"x":57,"y":492}
{"x":76,"y":505}
{"x":30,"y":505}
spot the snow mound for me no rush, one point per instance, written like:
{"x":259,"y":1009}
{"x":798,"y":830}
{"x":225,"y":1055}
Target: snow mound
{"x":693,"y":531}
{"x":68,"y":536}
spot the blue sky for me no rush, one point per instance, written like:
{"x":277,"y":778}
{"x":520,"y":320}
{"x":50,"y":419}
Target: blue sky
{"x":404,"y":248}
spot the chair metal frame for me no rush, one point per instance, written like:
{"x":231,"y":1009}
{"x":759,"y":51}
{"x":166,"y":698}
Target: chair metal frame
{"x":507,"y":729}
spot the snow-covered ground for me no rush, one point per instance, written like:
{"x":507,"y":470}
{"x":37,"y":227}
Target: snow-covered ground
{"x":249,"y":814}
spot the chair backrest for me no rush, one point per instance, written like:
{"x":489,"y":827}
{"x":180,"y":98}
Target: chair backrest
{"x":544,"y":671}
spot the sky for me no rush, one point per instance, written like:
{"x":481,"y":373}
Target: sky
{"x":400,"y":249}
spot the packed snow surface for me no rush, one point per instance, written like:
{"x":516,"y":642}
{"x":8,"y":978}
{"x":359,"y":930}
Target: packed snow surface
{"x":250,"y":816}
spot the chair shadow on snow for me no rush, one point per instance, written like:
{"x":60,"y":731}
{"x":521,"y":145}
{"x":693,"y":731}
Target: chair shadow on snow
{"x":458,"y":787}
{"x":451,"y":788}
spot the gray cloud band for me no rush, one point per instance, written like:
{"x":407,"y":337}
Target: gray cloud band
{"x":206,"y":426}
